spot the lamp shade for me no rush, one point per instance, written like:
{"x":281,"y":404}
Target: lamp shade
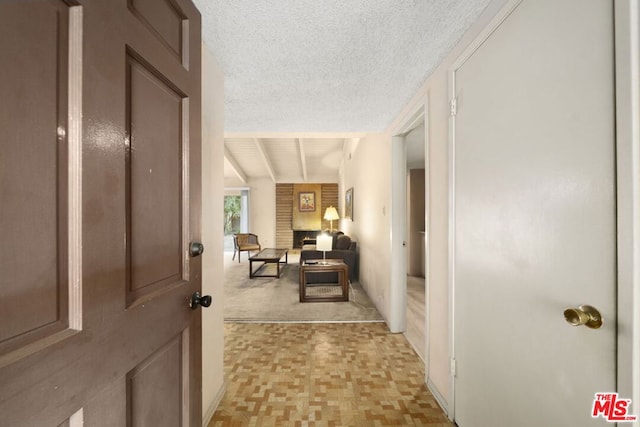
{"x":324,"y":242}
{"x":331,"y":213}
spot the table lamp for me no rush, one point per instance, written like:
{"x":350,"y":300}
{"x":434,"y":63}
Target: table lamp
{"x":324,"y":243}
{"x":331,"y":213}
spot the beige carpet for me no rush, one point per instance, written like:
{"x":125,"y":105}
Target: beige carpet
{"x":277,"y":300}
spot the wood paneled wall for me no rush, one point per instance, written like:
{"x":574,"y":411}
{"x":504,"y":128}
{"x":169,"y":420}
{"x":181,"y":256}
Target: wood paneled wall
{"x":284,"y":211}
{"x":284,"y":204}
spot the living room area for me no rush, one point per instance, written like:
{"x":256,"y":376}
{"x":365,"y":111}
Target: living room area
{"x":280,"y":190}
{"x":289,"y":216}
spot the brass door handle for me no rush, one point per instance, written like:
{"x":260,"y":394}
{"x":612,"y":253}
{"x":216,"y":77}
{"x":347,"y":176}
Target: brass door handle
{"x":583,"y":315}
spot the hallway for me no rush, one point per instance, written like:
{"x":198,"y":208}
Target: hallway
{"x":346,"y":374}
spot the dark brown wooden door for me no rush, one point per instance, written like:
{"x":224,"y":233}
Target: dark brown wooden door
{"x":99,"y":202}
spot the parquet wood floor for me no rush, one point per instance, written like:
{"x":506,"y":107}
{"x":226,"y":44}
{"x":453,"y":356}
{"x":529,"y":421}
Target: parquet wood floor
{"x":310,"y":374}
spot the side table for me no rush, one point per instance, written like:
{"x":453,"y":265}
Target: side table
{"x":332,"y":265}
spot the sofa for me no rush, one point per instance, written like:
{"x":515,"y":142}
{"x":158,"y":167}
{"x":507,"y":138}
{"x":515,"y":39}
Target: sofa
{"x":343,"y":248}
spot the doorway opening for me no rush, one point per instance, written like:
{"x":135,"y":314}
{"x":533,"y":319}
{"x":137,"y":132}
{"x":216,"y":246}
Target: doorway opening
{"x":415,"y":237}
{"x":236,"y":214}
{"x":409,"y":232}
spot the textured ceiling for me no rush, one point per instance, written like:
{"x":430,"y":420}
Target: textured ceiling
{"x":327,"y":65}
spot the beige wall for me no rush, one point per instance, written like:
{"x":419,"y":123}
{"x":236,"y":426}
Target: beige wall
{"x":262,"y":211}
{"x":212,"y":230}
{"x":234,"y":183}
{"x":367,"y":169}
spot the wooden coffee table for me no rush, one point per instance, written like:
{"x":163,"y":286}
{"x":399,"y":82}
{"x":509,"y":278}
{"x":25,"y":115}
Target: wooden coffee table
{"x":331,"y":266}
{"x":268,"y":256}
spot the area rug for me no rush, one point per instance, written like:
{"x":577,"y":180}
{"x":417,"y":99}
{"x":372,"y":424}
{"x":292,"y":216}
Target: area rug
{"x":269,"y":299}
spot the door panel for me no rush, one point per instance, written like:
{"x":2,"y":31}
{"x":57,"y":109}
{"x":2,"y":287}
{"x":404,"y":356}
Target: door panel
{"x":165,"y":19}
{"x":155,"y":180}
{"x":535,"y":217}
{"x":33,"y":283}
{"x":129,"y":350}
{"x":152,"y":397}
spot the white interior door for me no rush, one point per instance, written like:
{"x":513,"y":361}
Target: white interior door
{"x":534,"y":218}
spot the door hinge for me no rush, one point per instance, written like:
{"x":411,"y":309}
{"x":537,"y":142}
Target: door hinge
{"x":453,"y":367}
{"x":453,"y":107}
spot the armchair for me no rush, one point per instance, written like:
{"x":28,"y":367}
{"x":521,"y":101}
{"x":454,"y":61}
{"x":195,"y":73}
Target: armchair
{"x":245,"y":242}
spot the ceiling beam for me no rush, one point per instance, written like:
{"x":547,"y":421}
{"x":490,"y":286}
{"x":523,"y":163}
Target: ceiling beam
{"x":303,"y":159}
{"x":265,"y":158}
{"x":235,"y":166}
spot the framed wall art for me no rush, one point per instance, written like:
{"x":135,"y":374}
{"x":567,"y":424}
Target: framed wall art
{"x":348,"y":204}
{"x":307,"y":201}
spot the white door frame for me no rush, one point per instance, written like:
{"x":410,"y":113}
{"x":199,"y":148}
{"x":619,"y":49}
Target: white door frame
{"x":398,"y":219}
{"x":627,"y":48}
{"x":627,"y":63}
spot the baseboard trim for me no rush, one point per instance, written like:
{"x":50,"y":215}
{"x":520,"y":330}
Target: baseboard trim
{"x":208,"y":415}
{"x":300,"y":321}
{"x":439,"y":398}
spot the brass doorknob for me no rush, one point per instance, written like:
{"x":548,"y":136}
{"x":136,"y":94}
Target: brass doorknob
{"x":583,"y":315}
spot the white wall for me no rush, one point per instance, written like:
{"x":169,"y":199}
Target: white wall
{"x":212,"y":231}
{"x":262,"y":211}
{"x":366,"y":168}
